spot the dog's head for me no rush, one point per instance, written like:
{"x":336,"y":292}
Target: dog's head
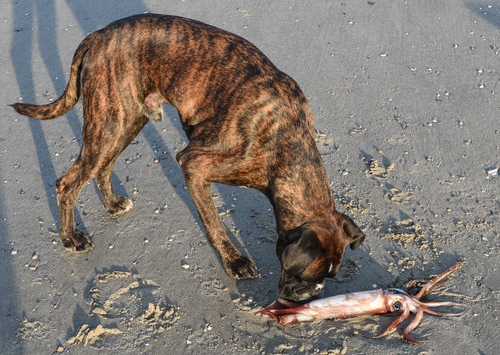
{"x":313,"y":252}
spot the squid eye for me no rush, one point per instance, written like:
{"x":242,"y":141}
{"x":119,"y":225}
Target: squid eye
{"x":397,"y":305}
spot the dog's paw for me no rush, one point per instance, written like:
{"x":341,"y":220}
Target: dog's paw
{"x":77,"y":242}
{"x":241,"y":268}
{"x":120,"y":206}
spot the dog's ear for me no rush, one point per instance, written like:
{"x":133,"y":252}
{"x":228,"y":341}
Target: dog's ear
{"x":352,"y":231}
{"x":303,"y":249}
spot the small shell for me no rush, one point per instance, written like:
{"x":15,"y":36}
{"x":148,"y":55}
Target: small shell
{"x":493,"y":172}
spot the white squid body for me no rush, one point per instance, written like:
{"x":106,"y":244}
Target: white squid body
{"x":341,"y":306}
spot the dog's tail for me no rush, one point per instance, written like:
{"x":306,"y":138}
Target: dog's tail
{"x":70,"y":96}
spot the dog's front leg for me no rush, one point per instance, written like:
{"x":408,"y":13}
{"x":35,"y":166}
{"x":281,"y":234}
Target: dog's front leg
{"x":193,"y":167}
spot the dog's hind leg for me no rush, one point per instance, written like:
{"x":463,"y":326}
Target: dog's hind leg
{"x":97,"y":159}
{"x":151,"y":109}
{"x":114,"y":204}
{"x":109,"y":126}
{"x":68,"y":187}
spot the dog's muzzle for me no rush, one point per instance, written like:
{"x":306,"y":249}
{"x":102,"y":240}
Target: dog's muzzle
{"x":299,"y":291}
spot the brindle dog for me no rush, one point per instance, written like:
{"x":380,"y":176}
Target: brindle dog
{"x":248,"y":124}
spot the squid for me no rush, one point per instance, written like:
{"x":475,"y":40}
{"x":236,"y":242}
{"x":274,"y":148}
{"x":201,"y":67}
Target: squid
{"x":392,"y":301}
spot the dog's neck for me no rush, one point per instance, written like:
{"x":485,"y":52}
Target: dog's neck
{"x":302,"y":196}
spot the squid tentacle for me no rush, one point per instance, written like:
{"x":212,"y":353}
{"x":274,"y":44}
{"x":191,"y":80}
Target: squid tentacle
{"x":434,"y":313}
{"x":397,"y":321}
{"x":414,"y":323}
{"x":425,"y":307}
{"x":435,"y":282}
{"x":438,"y":304}
{"x":412,"y":305}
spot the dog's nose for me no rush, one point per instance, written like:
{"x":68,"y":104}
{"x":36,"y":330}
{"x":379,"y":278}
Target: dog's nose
{"x":310,"y":299}
{"x":300,"y":300}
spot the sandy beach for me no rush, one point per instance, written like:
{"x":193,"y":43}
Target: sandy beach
{"x":406,"y":100}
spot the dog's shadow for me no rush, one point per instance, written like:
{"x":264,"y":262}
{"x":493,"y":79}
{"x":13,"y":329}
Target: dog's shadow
{"x":31,"y":17}
{"x":246,"y":213}
{"x":42,"y":14}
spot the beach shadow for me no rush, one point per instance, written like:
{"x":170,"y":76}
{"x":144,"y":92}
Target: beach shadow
{"x":488,"y":12}
{"x":43,"y":15}
{"x":9,"y":312}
